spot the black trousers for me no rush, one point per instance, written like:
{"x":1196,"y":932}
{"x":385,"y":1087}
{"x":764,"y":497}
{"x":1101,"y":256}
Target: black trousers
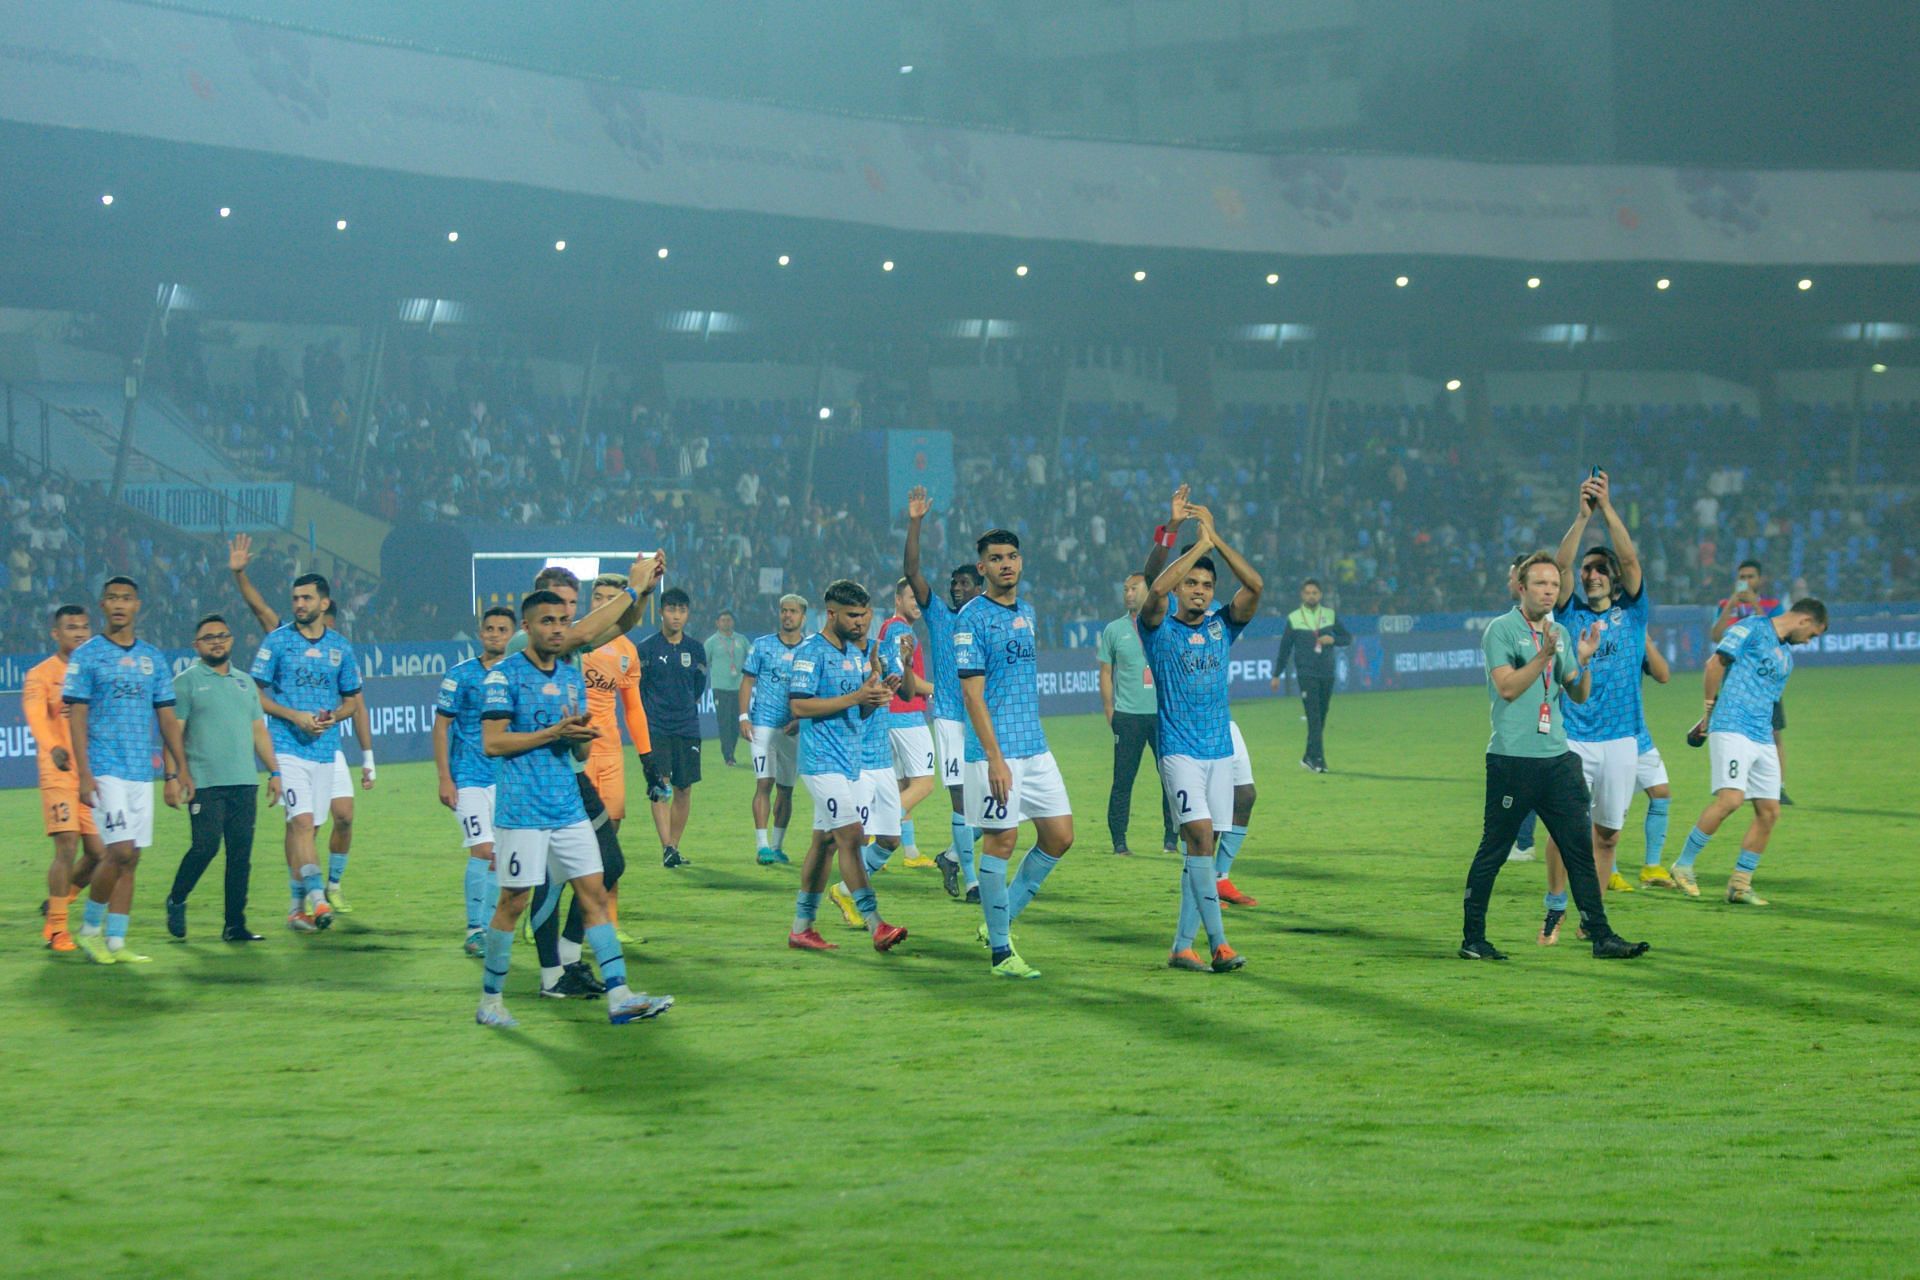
{"x":1316,"y":694}
{"x":726,"y":708}
{"x":221,"y":814}
{"x":1133,"y":734}
{"x":1556,"y":789}
{"x":546,"y":899}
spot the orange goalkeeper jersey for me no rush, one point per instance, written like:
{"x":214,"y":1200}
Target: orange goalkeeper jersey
{"x":613,"y":678}
{"x":47,"y":717}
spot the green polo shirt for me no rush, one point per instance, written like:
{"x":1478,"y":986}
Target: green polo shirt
{"x":217,"y":714}
{"x":1132,"y":683}
{"x":726,"y":655}
{"x":1510,"y":642}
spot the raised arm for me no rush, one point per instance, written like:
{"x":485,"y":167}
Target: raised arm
{"x":1162,"y":548}
{"x":1569,"y":549}
{"x":1154,"y":611}
{"x":1623,"y":548}
{"x":239,"y":555}
{"x":1246,"y":601}
{"x":918,"y":505}
{"x":621,"y":614}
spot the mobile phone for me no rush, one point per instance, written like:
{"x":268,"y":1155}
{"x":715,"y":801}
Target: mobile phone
{"x":1593,"y":474}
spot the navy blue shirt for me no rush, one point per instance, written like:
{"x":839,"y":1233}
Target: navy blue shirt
{"x":672,"y":678}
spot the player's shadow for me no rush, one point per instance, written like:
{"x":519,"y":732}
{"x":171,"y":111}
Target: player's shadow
{"x":1906,"y":815}
{"x":97,"y":996}
{"x":1867,"y":984}
{"x":1853,"y":915}
{"x":1702,"y":979}
{"x":1412,"y":777}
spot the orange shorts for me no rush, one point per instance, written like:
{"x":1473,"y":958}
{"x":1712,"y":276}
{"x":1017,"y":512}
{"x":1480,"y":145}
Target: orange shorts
{"x":62,"y":811}
{"x":607,"y":771}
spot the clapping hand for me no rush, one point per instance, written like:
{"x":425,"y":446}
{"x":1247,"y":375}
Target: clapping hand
{"x":1589,"y":642}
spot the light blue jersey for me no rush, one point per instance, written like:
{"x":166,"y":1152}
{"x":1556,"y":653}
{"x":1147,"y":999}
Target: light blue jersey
{"x":997,"y":641}
{"x":835,"y":743}
{"x":876,"y":738}
{"x":1643,"y":741}
{"x":460,"y":701}
{"x":1762,"y":661}
{"x":1613,"y":709}
{"x":1189,"y":665}
{"x":770,"y":663}
{"x":121,"y":686}
{"x":537,"y":789}
{"x":305,"y":675}
{"x":941,"y":619}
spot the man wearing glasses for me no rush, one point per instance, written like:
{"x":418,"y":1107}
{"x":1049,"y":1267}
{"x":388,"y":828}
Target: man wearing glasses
{"x":225,"y":728}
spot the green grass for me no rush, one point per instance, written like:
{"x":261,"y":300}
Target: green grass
{"x":1356,"y":1102}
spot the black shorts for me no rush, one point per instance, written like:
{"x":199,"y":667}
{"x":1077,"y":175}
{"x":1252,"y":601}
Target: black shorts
{"x":674,"y":761}
{"x":1779,"y":716}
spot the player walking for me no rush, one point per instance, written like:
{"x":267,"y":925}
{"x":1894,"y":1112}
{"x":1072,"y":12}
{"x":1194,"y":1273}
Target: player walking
{"x":909,"y":737}
{"x":673,"y":676}
{"x":1188,"y":640}
{"x":531,"y":718}
{"x":835,"y":688}
{"x":957,"y":869}
{"x":1746,"y":676}
{"x":770,"y":729}
{"x":65,"y":818}
{"x":1010,"y":774}
{"x":468,"y":776}
{"x":117,"y":686}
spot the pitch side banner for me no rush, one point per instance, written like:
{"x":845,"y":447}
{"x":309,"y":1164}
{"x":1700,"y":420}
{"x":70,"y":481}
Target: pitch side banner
{"x":114,"y":67}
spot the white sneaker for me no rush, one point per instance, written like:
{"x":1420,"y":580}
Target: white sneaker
{"x":637,"y":1006}
{"x":1517,"y":854}
{"x":492,"y":1013}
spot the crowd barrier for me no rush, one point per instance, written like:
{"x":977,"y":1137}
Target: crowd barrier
{"x":402,"y":679}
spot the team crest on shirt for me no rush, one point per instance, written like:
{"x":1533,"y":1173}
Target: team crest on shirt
{"x":333,"y":657}
{"x":146,"y":665}
{"x":1213,"y":629}
{"x":686,"y":659}
{"x":623,"y":664}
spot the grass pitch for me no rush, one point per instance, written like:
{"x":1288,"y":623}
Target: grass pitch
{"x":1744,"y":1101}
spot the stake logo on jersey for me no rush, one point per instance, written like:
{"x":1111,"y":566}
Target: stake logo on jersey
{"x":835,"y":743}
{"x":460,"y":700}
{"x":997,"y":641}
{"x":941,"y":621}
{"x":1761,"y":662}
{"x":1613,"y":709}
{"x":770,"y":663}
{"x":305,"y":675}
{"x":120,"y":687}
{"x":536,"y":790}
{"x":1190,"y":665}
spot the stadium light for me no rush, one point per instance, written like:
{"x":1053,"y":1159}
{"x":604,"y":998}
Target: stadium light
{"x":559,"y":246}
{"x":1453,"y":384}
{"x":1533,"y":282}
{"x":825,"y":413}
{"x":453,"y":237}
{"x":1663,"y":284}
{"x":1020,"y":270}
{"x":1879,"y":368}
{"x":225,"y":211}
{"x":106,"y":198}
{"x":1400,"y":282}
{"x":1805,"y":284}
{"x":1139,"y":276}
{"x":887,"y":265}
{"x":784,"y":260}
{"x":1273,"y":277}
{"x":661,"y":252}
{"x":906,"y":69}
{"x":340,"y":224}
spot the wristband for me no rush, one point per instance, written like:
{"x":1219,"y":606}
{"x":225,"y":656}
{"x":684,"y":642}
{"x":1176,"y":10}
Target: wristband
{"x":1163,"y":536}
{"x":632,"y":594}
{"x":273,"y":773}
{"x":172,"y":777}
{"x":744,"y":716}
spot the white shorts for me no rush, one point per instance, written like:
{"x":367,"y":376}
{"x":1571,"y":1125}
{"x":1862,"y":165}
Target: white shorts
{"x":1650,"y":770}
{"x":953,"y":752}
{"x":124,"y":812}
{"x":343,"y":787}
{"x":1610,"y":768}
{"x":1242,"y":762}
{"x":1038,"y":791}
{"x":838,"y":801}
{"x":1739,"y":764}
{"x":1199,"y":790}
{"x":524,"y":858}
{"x":912,"y":751}
{"x":882,"y":800}
{"x":776,"y":755}
{"x":306,"y":786}
{"x":473,"y":806}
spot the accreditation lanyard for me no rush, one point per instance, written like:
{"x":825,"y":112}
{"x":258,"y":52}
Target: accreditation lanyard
{"x":1545,"y":723}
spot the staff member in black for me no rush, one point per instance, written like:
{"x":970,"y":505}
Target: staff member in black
{"x":1313,"y":633}
{"x":1531,"y":662}
{"x":673,"y":676}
